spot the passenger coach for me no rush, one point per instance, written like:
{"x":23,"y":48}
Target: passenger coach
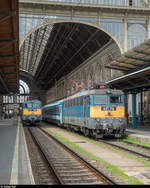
{"x":53,"y":112}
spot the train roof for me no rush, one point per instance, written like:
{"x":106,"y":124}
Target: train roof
{"x":35,"y":101}
{"x":95,"y":91}
{"x":53,"y":104}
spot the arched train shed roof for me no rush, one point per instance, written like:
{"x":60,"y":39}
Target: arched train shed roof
{"x":54,"y":50}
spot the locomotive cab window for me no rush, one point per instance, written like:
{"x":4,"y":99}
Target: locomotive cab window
{"x":36,"y":106}
{"x":29,"y":105}
{"x":100,"y":99}
{"x":116,"y":99}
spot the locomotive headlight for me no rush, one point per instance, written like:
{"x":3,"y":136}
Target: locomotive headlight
{"x":97,"y":120}
{"x":110,"y":125}
{"x":104,"y":125}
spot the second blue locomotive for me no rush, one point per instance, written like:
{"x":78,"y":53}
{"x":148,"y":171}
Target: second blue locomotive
{"x":32,"y":112}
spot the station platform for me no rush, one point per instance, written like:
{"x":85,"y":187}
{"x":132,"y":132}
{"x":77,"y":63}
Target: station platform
{"x":15,"y":167}
{"x":141,"y":132}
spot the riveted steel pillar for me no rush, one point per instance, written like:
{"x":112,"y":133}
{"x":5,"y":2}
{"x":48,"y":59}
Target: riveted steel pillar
{"x":126,"y":107}
{"x":134,"y":110}
{"x":141,"y":108}
{"x":125,"y":36}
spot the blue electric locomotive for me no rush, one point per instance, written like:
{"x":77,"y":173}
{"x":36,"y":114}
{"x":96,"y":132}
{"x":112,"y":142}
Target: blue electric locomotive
{"x":96,"y":112}
{"x":32,"y":111}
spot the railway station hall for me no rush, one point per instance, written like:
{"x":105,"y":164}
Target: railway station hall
{"x":74,"y":92}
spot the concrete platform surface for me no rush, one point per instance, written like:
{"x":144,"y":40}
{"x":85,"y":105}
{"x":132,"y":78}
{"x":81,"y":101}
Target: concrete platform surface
{"x":141,"y":133}
{"x":15,"y":167}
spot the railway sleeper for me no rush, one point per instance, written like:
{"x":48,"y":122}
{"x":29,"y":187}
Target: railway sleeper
{"x":76,"y":175}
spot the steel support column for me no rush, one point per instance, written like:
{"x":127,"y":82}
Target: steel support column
{"x":125,"y":35}
{"x":141,"y":108}
{"x":126,"y":107}
{"x":134,"y":110}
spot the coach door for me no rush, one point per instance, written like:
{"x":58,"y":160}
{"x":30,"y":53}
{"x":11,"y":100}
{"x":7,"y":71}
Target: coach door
{"x":86,"y":109}
{"x":61,"y":114}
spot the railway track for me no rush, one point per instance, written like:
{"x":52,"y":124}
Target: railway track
{"x":137,"y":145}
{"x":41,"y":171}
{"x":68,"y":167}
{"x":139,"y":150}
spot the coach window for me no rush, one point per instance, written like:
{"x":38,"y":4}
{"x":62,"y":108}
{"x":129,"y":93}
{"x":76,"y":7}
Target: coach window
{"x":77,"y":101}
{"x":81,"y":101}
{"x":74,"y":101}
{"x":88,"y":100}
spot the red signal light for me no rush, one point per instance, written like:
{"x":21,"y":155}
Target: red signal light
{"x":101,"y":86}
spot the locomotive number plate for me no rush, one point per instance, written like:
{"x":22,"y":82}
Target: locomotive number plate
{"x":108,"y":108}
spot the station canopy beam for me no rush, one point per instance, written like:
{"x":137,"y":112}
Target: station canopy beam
{"x":9,"y":46}
{"x":136,"y":65}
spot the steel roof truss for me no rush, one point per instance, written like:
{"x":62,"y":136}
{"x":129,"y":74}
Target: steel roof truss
{"x":28,"y":49}
{"x":45,"y":57}
{"x":116,"y":68}
{"x":124,"y":62}
{"x":93,"y":35}
{"x":42,"y":39}
{"x":34,"y":50}
{"x":141,"y":52}
{"x":62,"y":45}
{"x":138,"y":59}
